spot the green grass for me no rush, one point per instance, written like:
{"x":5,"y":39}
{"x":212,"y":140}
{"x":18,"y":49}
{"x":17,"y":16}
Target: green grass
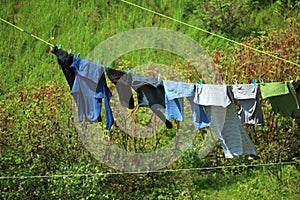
{"x":81,"y":26}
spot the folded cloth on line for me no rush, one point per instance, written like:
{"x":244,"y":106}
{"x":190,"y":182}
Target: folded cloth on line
{"x":212,"y":95}
{"x":149,"y":90}
{"x":151,"y":94}
{"x":248,"y":98}
{"x":89,"y":89}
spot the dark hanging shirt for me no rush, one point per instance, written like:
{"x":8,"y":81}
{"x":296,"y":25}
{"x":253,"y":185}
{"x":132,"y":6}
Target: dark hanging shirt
{"x":296,"y":85}
{"x":122,"y":81}
{"x":150,"y":92}
{"x":65,"y":61}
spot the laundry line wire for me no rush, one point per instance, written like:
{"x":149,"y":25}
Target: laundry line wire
{"x":147,"y":172}
{"x":170,"y":18}
{"x":211,"y":33}
{"x":24,"y":31}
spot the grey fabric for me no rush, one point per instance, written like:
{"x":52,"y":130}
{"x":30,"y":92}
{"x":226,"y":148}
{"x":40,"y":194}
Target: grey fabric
{"x":212,"y":95}
{"x":150,"y":94}
{"x":248,"y":98}
{"x":232,"y":135}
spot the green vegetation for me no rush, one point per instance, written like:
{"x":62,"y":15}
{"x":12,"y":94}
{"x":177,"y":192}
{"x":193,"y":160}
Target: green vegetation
{"x":37,"y":134}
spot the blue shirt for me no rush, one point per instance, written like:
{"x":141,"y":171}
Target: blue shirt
{"x":174,"y":94}
{"x":89,"y":89}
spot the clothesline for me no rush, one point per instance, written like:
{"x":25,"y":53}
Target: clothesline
{"x":170,"y":18}
{"x":147,"y":172}
{"x":211,"y":33}
{"x":158,"y":171}
{"x":211,"y":105}
{"x":24,"y":31}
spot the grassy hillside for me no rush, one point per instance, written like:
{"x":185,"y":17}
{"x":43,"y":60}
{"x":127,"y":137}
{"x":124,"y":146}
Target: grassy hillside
{"x":81,"y":26}
{"x":37,"y":133}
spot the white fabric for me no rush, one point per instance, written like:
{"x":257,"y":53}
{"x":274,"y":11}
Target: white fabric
{"x":245,"y":91}
{"x":211,"y":95}
{"x":224,"y":120}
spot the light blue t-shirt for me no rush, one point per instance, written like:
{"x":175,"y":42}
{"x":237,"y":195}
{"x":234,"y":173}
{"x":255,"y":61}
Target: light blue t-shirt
{"x":174,"y":97}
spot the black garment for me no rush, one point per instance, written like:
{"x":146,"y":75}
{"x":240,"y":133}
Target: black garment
{"x":65,"y":60}
{"x":149,"y":94}
{"x":122,"y":81}
{"x":297,"y":89}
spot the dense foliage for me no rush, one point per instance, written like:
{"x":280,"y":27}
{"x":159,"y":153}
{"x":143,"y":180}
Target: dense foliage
{"x":37,"y":132}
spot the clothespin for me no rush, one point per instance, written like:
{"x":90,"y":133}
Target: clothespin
{"x":235,"y":82}
{"x":59,"y":46}
{"x":69,"y":51}
{"x":106,"y":66}
{"x":78,"y":55}
{"x":127,"y":71}
{"x":158,"y":77}
{"x":262,"y":82}
{"x":297,"y":78}
{"x":200,"y":82}
{"x":189,"y":81}
{"x":254,"y":82}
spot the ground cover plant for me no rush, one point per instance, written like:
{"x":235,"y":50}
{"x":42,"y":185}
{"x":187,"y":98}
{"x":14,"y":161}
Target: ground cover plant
{"x":37,"y":132}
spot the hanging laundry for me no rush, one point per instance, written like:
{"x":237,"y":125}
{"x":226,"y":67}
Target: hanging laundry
{"x":65,"y":60}
{"x":122,"y":81}
{"x":220,"y":109}
{"x":174,"y":98}
{"x":248,"y":98}
{"x":296,"y":85}
{"x":208,"y":95}
{"x":89,"y":89}
{"x":282,"y":97}
{"x":151,"y":94}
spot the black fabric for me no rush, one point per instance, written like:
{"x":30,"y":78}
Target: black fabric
{"x":161,"y":116}
{"x":148,"y":95}
{"x":122,"y":81}
{"x":65,"y":60}
{"x":296,"y":85}
{"x":151,"y":94}
{"x":154,"y":96}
